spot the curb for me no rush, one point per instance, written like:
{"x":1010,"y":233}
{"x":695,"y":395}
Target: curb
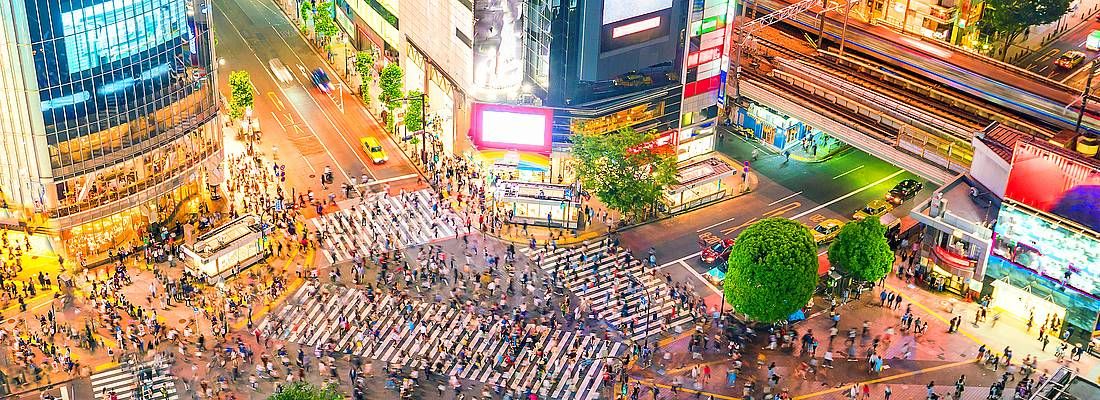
{"x":825,"y":158}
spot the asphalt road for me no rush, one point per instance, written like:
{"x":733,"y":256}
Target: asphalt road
{"x":307,"y":129}
{"x":805,"y":192}
{"x":1042,"y":61}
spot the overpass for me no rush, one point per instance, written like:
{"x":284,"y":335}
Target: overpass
{"x":1047,"y":101}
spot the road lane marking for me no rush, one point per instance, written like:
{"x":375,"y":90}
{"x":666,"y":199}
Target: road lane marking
{"x":785,"y":198}
{"x":695,"y":254}
{"x":783,"y":210}
{"x":700,"y":276}
{"x":850,"y":171}
{"x":884,"y":379}
{"x":719,"y":223}
{"x":850,"y":194}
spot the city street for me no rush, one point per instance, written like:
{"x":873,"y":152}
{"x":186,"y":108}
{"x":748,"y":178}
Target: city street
{"x":309,"y":129}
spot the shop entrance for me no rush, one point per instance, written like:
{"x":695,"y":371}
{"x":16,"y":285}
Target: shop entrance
{"x":1022,"y":304}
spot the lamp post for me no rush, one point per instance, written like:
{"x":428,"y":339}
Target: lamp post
{"x":423,"y":97}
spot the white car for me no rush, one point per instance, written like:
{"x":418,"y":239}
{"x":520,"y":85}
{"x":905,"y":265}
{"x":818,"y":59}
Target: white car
{"x":282,"y":73}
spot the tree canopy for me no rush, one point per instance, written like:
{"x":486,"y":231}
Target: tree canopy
{"x":861,"y":249}
{"x":772,"y":270}
{"x":414,"y":115}
{"x":620,"y":172}
{"x":323,"y":22}
{"x":1009,"y":18}
{"x":392,"y":83}
{"x":306,"y":391}
{"x":240,"y":93}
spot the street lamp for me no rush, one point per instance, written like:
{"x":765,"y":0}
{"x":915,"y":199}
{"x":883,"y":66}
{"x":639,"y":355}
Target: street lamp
{"x":423,"y":97}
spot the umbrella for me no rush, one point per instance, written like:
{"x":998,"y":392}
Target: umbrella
{"x":716,"y":273}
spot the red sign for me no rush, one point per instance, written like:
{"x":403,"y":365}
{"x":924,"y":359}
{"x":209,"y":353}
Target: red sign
{"x":663,"y":144}
{"x":1056,"y":182}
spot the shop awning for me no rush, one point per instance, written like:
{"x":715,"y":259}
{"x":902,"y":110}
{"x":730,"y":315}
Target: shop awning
{"x":955,"y":264}
{"x":717,"y":274}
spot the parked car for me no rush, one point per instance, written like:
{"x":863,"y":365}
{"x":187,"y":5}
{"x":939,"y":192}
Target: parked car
{"x":717,"y":252}
{"x":373,"y":147}
{"x":903,"y":191}
{"x":827,"y":230}
{"x":1070,"y":59}
{"x":876,"y":208}
{"x":321,"y":80}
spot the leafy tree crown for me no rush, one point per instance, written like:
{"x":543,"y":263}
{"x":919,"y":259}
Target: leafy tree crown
{"x":772,"y":270}
{"x":861,"y":249}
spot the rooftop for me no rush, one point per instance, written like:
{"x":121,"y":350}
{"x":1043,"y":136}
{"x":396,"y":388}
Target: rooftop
{"x":1001,"y":139}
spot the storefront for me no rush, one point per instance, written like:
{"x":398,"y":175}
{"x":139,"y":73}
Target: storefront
{"x":698,"y":183}
{"x":539,"y":204}
{"x":1058,"y":266}
{"x":423,"y":75}
{"x":514,"y":165}
{"x":694,"y":142}
{"x":773,"y":127}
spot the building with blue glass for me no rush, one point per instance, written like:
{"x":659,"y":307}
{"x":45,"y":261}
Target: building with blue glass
{"x":107,"y":117}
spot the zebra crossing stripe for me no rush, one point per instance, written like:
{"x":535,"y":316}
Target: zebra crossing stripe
{"x":438,"y":329}
{"x":124,"y":383}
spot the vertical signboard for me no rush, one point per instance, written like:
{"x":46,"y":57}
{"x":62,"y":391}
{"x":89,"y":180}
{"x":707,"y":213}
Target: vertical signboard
{"x":498,"y":43}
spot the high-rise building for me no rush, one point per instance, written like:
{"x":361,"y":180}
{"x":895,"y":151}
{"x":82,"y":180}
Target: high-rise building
{"x":107,"y":118}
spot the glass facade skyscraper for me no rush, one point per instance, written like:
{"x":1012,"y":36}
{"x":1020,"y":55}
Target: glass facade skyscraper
{"x":107,"y":117}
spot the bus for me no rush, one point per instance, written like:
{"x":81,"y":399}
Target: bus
{"x":1093,"y":41}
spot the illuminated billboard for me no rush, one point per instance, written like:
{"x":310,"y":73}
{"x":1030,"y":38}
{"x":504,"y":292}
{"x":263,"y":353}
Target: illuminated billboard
{"x":1048,"y":248}
{"x":618,"y":10}
{"x":115,"y":30}
{"x":1056,"y":181}
{"x":498,"y":43}
{"x":501,"y":126}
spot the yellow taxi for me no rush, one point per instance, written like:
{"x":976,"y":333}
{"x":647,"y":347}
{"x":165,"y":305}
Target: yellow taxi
{"x":827,"y":230}
{"x":876,"y":208}
{"x":374,"y":149}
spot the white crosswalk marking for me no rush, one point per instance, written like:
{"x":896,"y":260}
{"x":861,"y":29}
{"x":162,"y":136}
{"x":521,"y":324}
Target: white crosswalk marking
{"x":607,"y":288}
{"x":417,"y":333}
{"x":391,"y":222}
{"x":125,"y":382}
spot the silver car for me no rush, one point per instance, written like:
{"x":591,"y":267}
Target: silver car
{"x":282,"y":73}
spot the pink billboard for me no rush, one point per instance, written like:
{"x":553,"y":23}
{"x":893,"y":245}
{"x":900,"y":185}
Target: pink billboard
{"x":508,"y":127}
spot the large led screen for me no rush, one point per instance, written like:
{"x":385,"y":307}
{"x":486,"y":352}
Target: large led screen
{"x":115,"y":30}
{"x":498,"y":43}
{"x":1048,"y":248}
{"x":1049,"y":181}
{"x":500,"y":126}
{"x":618,"y":10}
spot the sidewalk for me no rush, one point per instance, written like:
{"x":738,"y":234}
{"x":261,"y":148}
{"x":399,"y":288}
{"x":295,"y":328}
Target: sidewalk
{"x":1038,"y":37}
{"x":911,"y":360}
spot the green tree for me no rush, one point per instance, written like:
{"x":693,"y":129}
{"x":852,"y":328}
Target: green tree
{"x":861,"y":250}
{"x":1007,"y":19}
{"x":625,"y":179}
{"x":392,"y":84}
{"x":364,"y":66}
{"x":772,"y":270}
{"x":306,"y":391}
{"x":323,"y":22}
{"x":306,"y":11}
{"x":414,"y":115}
{"x":240,"y":93}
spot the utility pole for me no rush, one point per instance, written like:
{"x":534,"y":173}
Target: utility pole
{"x":1085,"y":94}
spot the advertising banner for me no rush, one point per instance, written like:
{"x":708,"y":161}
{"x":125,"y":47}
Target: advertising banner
{"x":1045,"y":178}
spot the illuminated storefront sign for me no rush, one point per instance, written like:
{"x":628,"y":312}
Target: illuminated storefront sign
{"x":665,"y":143}
{"x":704,"y":56}
{"x":631,"y":116}
{"x":1047,"y":247}
{"x":640,"y":26}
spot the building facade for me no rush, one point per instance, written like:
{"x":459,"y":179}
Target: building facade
{"x":107,"y":117}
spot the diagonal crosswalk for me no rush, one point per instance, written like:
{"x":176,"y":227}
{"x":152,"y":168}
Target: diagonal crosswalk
{"x":559,"y":364}
{"x":390,"y":222}
{"x":151,"y":379}
{"x":617,"y":290}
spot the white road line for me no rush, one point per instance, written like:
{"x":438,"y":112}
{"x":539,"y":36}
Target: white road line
{"x":851,"y":171}
{"x":681,"y":259}
{"x":700,"y":276}
{"x":850,"y":194}
{"x":714,"y":225}
{"x":785,"y":198}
